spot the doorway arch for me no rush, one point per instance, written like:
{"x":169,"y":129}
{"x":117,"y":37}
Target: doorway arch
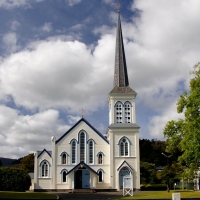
{"x":123,"y":172}
{"x":82,"y":178}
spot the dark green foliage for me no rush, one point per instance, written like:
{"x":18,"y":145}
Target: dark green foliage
{"x":0,"y":163}
{"x":153,"y":187}
{"x":14,"y":179}
{"x":27,"y":163}
{"x":147,"y":173}
{"x":150,"y":151}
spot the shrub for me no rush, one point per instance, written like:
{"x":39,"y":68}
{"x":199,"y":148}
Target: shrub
{"x":153,"y":187}
{"x":14,"y":179}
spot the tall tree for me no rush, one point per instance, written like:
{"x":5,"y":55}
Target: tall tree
{"x":27,"y":163}
{"x":184,"y":135}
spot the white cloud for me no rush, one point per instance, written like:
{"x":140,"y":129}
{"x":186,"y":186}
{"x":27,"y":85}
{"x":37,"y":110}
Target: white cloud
{"x":21,"y":134}
{"x":47,"y":27}
{"x":73,"y":119}
{"x":10,"y":42}
{"x":14,"y":25}
{"x":9,"y":4}
{"x":73,"y":2}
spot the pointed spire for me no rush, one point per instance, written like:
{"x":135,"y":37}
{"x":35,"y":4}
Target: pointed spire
{"x":121,"y":75}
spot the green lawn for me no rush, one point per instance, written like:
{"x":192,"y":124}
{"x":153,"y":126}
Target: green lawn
{"x":162,"y":195}
{"x":28,"y":195}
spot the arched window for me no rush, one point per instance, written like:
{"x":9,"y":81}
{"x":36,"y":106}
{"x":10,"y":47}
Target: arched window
{"x":118,"y":112}
{"x":100,"y":157}
{"x":63,"y":176}
{"x":64,"y":157}
{"x":73,"y":146}
{"x":44,"y":169}
{"x":100,"y":178}
{"x":82,"y":147}
{"x":127,"y":112}
{"x":124,"y":145}
{"x":91,"y":152}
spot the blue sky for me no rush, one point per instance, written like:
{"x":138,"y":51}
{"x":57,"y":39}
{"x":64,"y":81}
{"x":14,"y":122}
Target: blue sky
{"x":57,"y":57}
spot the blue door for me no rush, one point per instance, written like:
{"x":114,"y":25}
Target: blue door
{"x":122,"y":173}
{"x":85,"y":178}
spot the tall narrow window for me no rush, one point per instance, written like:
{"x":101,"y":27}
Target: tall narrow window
{"x":124,"y":147}
{"x":127,"y":112}
{"x":91,"y":152}
{"x":64,"y":177}
{"x":100,"y":157}
{"x":118,"y":112}
{"x":44,"y":169}
{"x":64,"y":158}
{"x":100,"y":176}
{"x":73,"y":152}
{"x":82,"y":147}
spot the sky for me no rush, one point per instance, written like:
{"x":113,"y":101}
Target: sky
{"x":57,"y":58}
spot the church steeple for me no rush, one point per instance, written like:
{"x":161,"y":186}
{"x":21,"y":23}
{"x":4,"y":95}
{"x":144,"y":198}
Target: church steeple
{"x":121,"y":75}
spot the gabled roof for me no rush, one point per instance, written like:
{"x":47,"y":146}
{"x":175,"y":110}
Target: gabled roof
{"x":84,"y":164}
{"x":83,"y":120}
{"x":125,"y":164}
{"x":41,"y":152}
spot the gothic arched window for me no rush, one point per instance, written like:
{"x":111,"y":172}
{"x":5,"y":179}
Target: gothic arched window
{"x":124,"y":145}
{"x":127,"y":112}
{"x":44,"y":168}
{"x":100,"y":157}
{"x":100,"y":178}
{"x":119,"y":112}
{"x":91,"y":152}
{"x":64,"y":176}
{"x":82,"y":147}
{"x":73,"y":155}
{"x":64,"y":158}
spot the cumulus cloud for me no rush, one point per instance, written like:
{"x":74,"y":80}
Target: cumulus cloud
{"x":13,"y":3}
{"x":14,"y":25}
{"x":20,"y":135}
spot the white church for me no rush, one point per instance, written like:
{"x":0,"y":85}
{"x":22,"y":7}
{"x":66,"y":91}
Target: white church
{"x":83,"y":158}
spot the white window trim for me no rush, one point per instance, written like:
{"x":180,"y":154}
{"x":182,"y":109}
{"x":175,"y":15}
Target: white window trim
{"x":102,"y":158}
{"x":61,"y":158}
{"x":127,"y":102}
{"x":129,"y":148}
{"x":48,"y":164}
{"x":122,"y":115}
{"x":61,"y":173}
{"x":79,"y":141}
{"x":102,"y":171}
{"x":90,"y":140}
{"x":76,"y":151}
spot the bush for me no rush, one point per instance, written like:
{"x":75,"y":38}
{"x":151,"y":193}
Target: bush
{"x":14,"y":179}
{"x":153,"y":187}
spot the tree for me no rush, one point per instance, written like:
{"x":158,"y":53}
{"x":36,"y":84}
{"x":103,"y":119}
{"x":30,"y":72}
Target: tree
{"x":0,"y":163}
{"x":184,"y":135}
{"x":14,"y":179}
{"x":27,"y":163}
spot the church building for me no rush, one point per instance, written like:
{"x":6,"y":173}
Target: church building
{"x":83,"y":158}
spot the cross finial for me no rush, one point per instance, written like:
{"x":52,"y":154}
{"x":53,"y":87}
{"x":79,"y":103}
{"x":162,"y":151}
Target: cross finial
{"x":118,"y":6}
{"x":82,"y":112}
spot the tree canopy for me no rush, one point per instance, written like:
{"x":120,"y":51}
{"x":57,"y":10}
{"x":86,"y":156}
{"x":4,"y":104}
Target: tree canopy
{"x":27,"y":163}
{"x":184,"y":134}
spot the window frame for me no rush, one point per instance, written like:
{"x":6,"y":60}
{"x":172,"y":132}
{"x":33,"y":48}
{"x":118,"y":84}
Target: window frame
{"x":125,"y":114}
{"x":117,"y":115}
{"x":102,"y":172}
{"x":48,"y":169}
{"x":128,"y":149}
{"x":61,"y":173}
{"x":61,"y":158}
{"x":91,"y":141}
{"x":102,"y":158}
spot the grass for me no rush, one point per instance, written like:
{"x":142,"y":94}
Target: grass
{"x":27,"y":195}
{"x":162,"y":195}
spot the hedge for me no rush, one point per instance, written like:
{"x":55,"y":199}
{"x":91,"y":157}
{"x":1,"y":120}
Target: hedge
{"x":14,"y":179}
{"x":153,"y":187}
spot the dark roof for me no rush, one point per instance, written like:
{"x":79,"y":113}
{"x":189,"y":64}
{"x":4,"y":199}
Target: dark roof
{"x":122,"y":90}
{"x":121,"y":74}
{"x":40,"y":153}
{"x":123,"y":164}
{"x":124,"y":125}
{"x":83,"y":120}
{"x":82,"y":163}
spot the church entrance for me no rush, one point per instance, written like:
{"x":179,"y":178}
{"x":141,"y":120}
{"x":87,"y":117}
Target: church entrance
{"x":123,"y":172}
{"x":82,"y":179}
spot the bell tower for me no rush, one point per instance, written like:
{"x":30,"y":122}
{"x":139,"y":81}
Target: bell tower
{"x":123,"y":132}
